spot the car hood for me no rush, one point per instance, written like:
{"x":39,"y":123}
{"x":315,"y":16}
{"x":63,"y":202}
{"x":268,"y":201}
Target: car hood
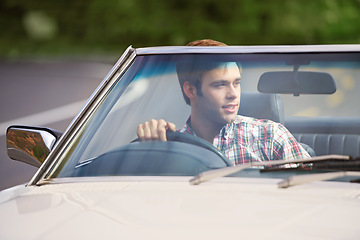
{"x":171,"y":208}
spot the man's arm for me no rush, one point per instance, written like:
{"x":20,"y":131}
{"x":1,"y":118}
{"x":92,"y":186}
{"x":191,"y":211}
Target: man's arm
{"x":154,"y":130}
{"x":286,"y":146}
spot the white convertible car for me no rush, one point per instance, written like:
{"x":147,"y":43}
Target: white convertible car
{"x":95,"y":182}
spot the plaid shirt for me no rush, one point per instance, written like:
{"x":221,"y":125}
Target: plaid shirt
{"x":248,"y":140}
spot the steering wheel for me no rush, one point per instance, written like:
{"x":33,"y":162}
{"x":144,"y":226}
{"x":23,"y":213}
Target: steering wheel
{"x":189,"y":138}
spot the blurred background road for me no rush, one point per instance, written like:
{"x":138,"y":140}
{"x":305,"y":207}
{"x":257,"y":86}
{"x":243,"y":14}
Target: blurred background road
{"x":42,"y":93}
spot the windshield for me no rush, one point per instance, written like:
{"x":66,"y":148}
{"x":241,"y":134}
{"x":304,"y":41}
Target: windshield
{"x":313,"y":96}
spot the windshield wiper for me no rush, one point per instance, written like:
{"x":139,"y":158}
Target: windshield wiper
{"x":301,"y":179}
{"x":222,"y":172}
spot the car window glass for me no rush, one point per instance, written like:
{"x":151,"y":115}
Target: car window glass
{"x":150,"y":90}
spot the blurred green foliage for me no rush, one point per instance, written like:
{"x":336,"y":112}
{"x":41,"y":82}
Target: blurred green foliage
{"x":91,"y":27}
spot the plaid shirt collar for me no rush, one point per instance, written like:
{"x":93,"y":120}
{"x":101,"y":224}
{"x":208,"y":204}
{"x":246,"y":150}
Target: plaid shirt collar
{"x":225,"y":132}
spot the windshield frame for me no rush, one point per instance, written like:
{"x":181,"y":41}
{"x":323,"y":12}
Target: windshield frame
{"x":120,"y":67}
{"x":128,"y":58}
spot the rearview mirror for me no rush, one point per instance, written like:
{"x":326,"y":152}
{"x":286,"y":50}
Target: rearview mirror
{"x":296,"y":83}
{"x":31,"y":145}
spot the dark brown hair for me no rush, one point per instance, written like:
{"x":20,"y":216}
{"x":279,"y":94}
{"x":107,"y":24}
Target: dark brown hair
{"x":192,"y":71}
{"x":206,"y":42}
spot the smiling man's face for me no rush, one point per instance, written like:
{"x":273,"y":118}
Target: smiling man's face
{"x":220,"y":99}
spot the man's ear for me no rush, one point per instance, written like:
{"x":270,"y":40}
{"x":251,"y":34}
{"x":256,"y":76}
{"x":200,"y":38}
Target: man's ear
{"x":189,"y":90}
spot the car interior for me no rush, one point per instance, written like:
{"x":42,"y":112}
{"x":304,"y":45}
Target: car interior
{"x":319,"y":136}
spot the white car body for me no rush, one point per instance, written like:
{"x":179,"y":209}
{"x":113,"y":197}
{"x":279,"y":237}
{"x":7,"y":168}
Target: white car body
{"x":171,"y":208}
{"x":65,"y":200}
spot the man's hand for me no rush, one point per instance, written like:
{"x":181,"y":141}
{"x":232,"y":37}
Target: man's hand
{"x":154,"y":130}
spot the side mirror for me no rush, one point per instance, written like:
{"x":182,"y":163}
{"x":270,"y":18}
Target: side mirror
{"x":31,"y":145}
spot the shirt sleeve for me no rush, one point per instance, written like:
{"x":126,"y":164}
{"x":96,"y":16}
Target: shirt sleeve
{"x":285,"y":146}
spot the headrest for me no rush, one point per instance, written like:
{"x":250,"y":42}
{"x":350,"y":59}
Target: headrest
{"x":262,"y":106}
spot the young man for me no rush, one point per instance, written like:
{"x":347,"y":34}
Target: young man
{"x":213,"y":92}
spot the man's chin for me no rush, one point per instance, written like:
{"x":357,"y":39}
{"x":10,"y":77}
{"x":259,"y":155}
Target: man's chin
{"x":230,"y":119}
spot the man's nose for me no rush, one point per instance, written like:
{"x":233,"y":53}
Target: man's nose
{"x":233,"y":92}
